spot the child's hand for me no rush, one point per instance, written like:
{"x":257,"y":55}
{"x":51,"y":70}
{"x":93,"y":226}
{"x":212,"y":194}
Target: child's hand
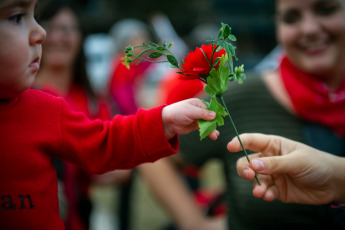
{"x":181,"y":117}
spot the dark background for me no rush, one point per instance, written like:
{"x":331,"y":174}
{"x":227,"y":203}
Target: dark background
{"x":251,"y":20}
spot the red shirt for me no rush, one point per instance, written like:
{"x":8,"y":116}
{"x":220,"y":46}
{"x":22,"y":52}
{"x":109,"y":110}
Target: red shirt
{"x":36,"y":126}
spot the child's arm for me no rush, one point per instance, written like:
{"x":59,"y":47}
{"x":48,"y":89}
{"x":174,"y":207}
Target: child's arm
{"x":181,"y":117}
{"x":127,"y":141}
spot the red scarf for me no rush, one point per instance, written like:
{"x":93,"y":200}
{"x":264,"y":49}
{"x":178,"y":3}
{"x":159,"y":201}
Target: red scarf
{"x":312,"y":99}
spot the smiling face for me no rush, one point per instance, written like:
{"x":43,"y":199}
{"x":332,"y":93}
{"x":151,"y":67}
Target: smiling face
{"x":313,"y":35}
{"x":20,"y":46}
{"x":63,"y":40}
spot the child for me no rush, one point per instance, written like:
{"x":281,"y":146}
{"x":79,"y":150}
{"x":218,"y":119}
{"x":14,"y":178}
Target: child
{"x":35,"y":126}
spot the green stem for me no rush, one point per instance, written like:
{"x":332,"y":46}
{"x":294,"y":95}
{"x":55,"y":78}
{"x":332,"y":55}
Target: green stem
{"x":143,"y":59}
{"x":238,"y":136}
{"x":214,"y":51}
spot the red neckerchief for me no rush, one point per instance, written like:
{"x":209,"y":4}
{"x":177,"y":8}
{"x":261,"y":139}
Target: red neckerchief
{"x":312,"y":99}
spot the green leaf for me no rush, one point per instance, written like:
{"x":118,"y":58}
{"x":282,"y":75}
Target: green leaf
{"x":216,"y":61}
{"x":160,"y":48}
{"x":172,"y":60}
{"x":155,"y":55}
{"x":207,"y":127}
{"x":239,"y":74}
{"x":218,"y":109}
{"x":227,"y":31}
{"x":232,"y":38}
{"x":218,"y":78}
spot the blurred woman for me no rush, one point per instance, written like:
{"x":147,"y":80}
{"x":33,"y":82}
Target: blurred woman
{"x":303,"y":100}
{"x":125,"y":84}
{"x":63,"y":73}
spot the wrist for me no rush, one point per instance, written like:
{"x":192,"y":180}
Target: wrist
{"x":166,"y":125}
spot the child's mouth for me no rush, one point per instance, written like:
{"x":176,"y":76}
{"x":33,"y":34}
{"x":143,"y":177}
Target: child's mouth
{"x":35,"y":65}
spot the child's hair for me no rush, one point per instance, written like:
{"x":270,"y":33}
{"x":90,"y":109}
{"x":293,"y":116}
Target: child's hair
{"x":48,"y":9}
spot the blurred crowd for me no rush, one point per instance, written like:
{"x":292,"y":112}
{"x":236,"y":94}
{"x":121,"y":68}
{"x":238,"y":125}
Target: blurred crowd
{"x":86,"y":69}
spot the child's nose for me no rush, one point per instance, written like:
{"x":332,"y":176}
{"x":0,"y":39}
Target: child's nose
{"x":38,"y":35}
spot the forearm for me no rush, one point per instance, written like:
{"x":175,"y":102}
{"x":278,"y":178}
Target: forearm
{"x":99,"y":146}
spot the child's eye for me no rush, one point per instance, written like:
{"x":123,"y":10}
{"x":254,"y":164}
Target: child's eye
{"x":16,"y":18}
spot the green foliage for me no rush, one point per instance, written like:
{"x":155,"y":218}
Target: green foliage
{"x":173,"y":61}
{"x":217,"y":80}
{"x":155,"y":55}
{"x":151,"y":51}
{"x":224,"y":34}
{"x":207,"y":127}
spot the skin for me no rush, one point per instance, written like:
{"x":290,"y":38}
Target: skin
{"x":63,"y":40}
{"x":290,"y":171}
{"x":312,"y":33}
{"x":21,"y":41}
{"x":181,"y":117}
{"x":60,"y":50}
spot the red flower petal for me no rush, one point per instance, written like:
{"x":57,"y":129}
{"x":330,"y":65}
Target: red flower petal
{"x":198,"y":62}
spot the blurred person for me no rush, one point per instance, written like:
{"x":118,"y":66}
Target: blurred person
{"x":125,"y":84}
{"x":63,"y":73}
{"x":303,"y":100}
{"x":290,"y":171}
{"x":99,"y":51}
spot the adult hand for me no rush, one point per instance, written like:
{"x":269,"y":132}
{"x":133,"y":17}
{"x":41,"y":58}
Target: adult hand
{"x":290,"y":171}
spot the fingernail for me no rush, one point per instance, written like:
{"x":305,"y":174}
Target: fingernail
{"x":212,"y":114}
{"x":258,"y":165}
{"x":245,"y":173}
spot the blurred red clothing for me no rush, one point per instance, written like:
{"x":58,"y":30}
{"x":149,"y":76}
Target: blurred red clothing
{"x":76,"y":182}
{"x":36,"y":126}
{"x":124,"y":84}
{"x":173,"y":89}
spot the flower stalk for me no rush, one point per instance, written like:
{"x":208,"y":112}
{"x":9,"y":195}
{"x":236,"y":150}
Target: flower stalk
{"x":212,"y":64}
{"x":238,"y":136}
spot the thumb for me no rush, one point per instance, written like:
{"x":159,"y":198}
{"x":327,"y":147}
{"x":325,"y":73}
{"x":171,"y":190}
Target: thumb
{"x":272,"y":165}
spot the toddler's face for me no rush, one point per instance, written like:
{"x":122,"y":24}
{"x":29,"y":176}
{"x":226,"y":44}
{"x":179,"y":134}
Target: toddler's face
{"x":20,"y":46}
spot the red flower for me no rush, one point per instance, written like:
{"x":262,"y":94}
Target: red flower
{"x":198,"y":62}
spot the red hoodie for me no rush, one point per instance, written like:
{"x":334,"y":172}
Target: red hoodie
{"x":36,"y":126}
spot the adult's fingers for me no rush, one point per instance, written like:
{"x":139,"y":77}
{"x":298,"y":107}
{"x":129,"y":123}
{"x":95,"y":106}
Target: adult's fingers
{"x":243,"y":167}
{"x":265,"y":187}
{"x":268,"y":145}
{"x":274,"y":165}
